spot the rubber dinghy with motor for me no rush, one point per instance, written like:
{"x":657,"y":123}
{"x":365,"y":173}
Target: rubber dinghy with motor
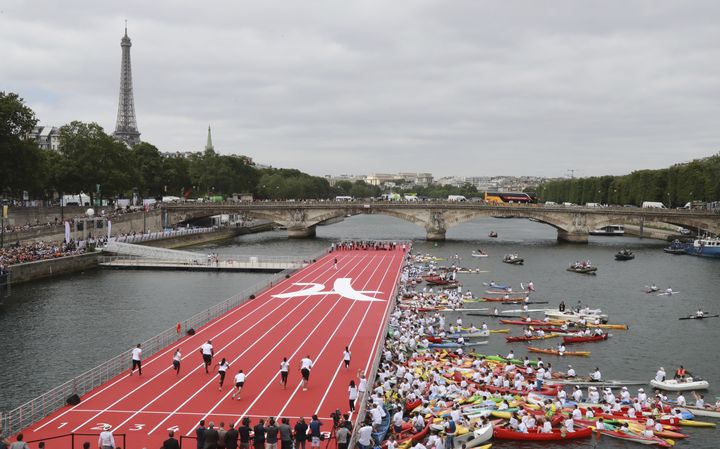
{"x":681,"y":385}
{"x":582,"y":270}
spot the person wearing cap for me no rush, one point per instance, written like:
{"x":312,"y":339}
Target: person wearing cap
{"x":106,"y":440}
{"x":596,"y":376}
{"x":625,"y":396}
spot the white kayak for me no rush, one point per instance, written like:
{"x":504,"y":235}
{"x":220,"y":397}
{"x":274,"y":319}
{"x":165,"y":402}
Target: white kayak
{"x":474,"y":438}
{"x":476,"y":254}
{"x":667,"y":293}
{"x":708,"y":412}
{"x":680,"y":385}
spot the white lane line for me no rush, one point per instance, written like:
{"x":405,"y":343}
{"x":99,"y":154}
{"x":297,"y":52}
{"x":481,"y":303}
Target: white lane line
{"x":269,"y":352}
{"x":258,"y":340}
{"x":292,"y":395}
{"x":226,"y":329}
{"x":357,"y":330}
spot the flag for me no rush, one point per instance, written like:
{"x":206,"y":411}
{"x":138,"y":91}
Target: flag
{"x":5,"y":211}
{"x":109,"y":227}
{"x":67,"y":231}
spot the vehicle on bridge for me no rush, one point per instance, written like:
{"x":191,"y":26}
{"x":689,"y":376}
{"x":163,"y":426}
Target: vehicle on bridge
{"x":508,"y":197}
{"x":653,"y":205}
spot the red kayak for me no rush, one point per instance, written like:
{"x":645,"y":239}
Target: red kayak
{"x":502,"y":433}
{"x":584,"y":339}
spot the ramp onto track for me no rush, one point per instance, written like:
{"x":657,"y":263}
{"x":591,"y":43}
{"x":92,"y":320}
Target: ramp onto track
{"x":149,"y":252}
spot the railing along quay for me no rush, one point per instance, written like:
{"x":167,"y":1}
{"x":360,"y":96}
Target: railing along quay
{"x":36,"y":409}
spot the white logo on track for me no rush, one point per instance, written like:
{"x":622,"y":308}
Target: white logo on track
{"x":341,"y":287}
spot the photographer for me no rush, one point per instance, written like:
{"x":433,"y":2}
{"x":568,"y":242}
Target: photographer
{"x":315,"y":432}
{"x":300,"y":433}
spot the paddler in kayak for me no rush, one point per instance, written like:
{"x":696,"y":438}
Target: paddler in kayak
{"x":700,"y":313}
{"x":596,"y":376}
{"x":669,"y":291}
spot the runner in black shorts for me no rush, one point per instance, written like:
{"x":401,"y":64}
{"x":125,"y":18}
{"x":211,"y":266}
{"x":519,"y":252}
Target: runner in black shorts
{"x":239,"y":382}
{"x":305,"y":366}
{"x":206,"y":349}
{"x":284,"y":367}
{"x":177,"y":357}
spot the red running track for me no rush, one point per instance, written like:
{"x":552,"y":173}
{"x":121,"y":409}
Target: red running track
{"x":253,"y":337}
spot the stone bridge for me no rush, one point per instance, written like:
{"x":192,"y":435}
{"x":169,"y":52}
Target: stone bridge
{"x":572,"y":223}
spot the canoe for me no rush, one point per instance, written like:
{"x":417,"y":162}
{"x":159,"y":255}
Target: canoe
{"x":585,"y":339}
{"x":555,"y":352}
{"x":506,"y":434}
{"x":675,"y":385}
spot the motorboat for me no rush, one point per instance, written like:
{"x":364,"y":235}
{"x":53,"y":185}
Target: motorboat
{"x":676,"y":247}
{"x":611,"y":230}
{"x":624,"y":254}
{"x":513,"y":259}
{"x":582,"y":269}
{"x":686,"y":384}
{"x":705,"y":247}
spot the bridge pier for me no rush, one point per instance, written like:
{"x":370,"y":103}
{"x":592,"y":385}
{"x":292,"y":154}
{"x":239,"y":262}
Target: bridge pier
{"x":574,"y":236}
{"x":435,"y":235}
{"x":301,"y":233}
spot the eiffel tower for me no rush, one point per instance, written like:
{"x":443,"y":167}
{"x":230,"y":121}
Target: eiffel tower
{"x":126,"y":126}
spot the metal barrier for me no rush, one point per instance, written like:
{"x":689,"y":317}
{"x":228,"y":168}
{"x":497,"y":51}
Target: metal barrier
{"x":362,"y":408}
{"x":73,"y":441}
{"x":161,"y":235}
{"x":32,"y":411}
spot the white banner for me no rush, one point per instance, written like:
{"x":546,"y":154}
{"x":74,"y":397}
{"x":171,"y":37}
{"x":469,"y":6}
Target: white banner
{"x":67,"y":231}
{"x":109,"y":227}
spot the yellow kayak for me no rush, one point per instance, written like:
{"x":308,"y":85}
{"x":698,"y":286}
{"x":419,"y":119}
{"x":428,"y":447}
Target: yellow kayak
{"x":499,"y":331}
{"x":693,"y":423}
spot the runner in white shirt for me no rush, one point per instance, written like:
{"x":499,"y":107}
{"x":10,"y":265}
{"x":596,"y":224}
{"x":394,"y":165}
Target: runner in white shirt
{"x":207,"y":351}
{"x":177,"y":357}
{"x":362,"y":384}
{"x":284,"y":367}
{"x":222,"y":368}
{"x":305,"y":367}
{"x":136,"y":362}
{"x":239,"y":383}
{"x":346,"y":357}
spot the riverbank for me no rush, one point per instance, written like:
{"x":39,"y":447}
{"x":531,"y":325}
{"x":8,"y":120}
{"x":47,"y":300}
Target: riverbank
{"x":31,"y":271}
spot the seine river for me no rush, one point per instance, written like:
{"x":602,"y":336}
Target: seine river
{"x":53,"y":330}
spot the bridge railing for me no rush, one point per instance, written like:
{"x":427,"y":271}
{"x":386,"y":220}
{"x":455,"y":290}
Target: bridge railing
{"x":36,"y":409}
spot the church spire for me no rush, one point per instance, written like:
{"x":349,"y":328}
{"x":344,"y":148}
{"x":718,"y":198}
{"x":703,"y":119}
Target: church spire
{"x":209,"y":144}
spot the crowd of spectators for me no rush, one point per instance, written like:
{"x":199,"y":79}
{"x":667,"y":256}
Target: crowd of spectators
{"x":31,"y":252}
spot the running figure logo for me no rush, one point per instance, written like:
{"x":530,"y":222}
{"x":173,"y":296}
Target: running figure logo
{"x":341,"y":287}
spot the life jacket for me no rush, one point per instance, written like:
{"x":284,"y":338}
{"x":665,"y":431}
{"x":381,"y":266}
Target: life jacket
{"x":681,"y":372}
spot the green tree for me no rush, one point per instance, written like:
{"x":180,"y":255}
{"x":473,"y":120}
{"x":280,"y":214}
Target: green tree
{"x":21,"y":159}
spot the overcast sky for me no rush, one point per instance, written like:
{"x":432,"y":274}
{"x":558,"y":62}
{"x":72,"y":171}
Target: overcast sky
{"x":449,"y":87}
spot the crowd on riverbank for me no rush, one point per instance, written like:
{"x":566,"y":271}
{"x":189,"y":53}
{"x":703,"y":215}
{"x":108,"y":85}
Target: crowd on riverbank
{"x":18,"y":253}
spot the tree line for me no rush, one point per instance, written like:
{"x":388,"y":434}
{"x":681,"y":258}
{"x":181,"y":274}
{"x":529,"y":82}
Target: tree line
{"x":698,"y":180}
{"x":91,"y":161}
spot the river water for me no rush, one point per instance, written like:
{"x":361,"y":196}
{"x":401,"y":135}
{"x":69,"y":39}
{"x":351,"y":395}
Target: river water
{"x":54,"y":329}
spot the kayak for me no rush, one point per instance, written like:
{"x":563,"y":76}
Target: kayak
{"x":492,"y":315}
{"x":556,"y":352}
{"x":477,"y":254}
{"x":534,"y":337}
{"x":585,"y":339}
{"x":474,"y":438}
{"x":633,"y":437}
{"x":676,"y":385}
{"x":695,"y":317}
{"x":557,"y":435}
{"x":668,"y":293}
{"x":708,"y":412}
{"x":503,"y":299}
{"x":586,"y":381}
